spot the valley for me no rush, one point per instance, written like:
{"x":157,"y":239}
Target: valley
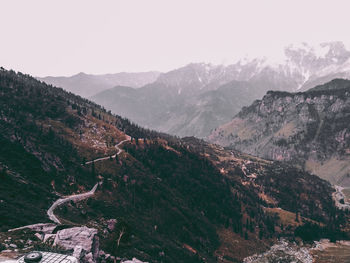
{"x":175,"y":131}
{"x":194,"y":199}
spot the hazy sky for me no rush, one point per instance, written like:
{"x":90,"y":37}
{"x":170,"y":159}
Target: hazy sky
{"x":64,"y":37}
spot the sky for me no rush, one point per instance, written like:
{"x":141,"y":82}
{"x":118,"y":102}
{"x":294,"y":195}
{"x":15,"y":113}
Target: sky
{"x":65,"y":37}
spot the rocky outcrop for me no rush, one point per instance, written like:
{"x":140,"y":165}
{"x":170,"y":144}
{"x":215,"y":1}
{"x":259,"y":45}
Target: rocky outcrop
{"x":310,"y":129}
{"x":81,"y":240}
{"x":282,"y":252}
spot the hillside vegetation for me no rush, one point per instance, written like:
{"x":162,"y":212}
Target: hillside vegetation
{"x":174,"y":200}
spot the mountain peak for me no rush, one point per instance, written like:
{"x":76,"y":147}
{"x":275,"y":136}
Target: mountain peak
{"x":81,"y":74}
{"x":315,"y":57}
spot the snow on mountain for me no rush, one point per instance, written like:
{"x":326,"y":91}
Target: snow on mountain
{"x":313,"y":62}
{"x":302,"y":63}
{"x":196,"y":98}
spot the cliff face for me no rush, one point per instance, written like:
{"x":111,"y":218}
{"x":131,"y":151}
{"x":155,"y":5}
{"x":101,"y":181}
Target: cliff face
{"x":311,"y":129}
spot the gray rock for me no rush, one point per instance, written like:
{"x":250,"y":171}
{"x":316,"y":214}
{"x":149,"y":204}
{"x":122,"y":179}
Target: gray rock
{"x":77,"y":236}
{"x":78,"y":251}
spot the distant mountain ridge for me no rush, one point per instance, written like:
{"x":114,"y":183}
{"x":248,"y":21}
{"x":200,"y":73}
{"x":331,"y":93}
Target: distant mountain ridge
{"x":183,"y":101}
{"x":87,"y":85}
{"x":195,"y":99}
{"x":310,"y":129}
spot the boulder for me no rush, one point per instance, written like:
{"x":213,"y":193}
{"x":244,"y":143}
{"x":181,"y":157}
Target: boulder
{"x":81,"y":240}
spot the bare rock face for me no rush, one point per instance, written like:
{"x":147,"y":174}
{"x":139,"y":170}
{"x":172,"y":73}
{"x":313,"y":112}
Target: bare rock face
{"x":310,"y":129}
{"x":83,"y":238}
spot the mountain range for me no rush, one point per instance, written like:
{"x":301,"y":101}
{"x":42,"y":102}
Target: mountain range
{"x":195,"y":99}
{"x":270,"y":129}
{"x":87,"y":85}
{"x":172,"y":200}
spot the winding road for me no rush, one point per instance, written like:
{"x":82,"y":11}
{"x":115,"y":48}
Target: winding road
{"x":77,"y":197}
{"x":113,"y":156}
{"x":61,"y":201}
{"x":50,"y":211}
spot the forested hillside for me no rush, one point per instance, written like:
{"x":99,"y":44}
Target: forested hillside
{"x":174,"y":200}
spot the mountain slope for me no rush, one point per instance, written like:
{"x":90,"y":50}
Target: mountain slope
{"x":190,"y":101}
{"x":310,"y":129}
{"x":87,"y":85}
{"x":173,"y":200}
